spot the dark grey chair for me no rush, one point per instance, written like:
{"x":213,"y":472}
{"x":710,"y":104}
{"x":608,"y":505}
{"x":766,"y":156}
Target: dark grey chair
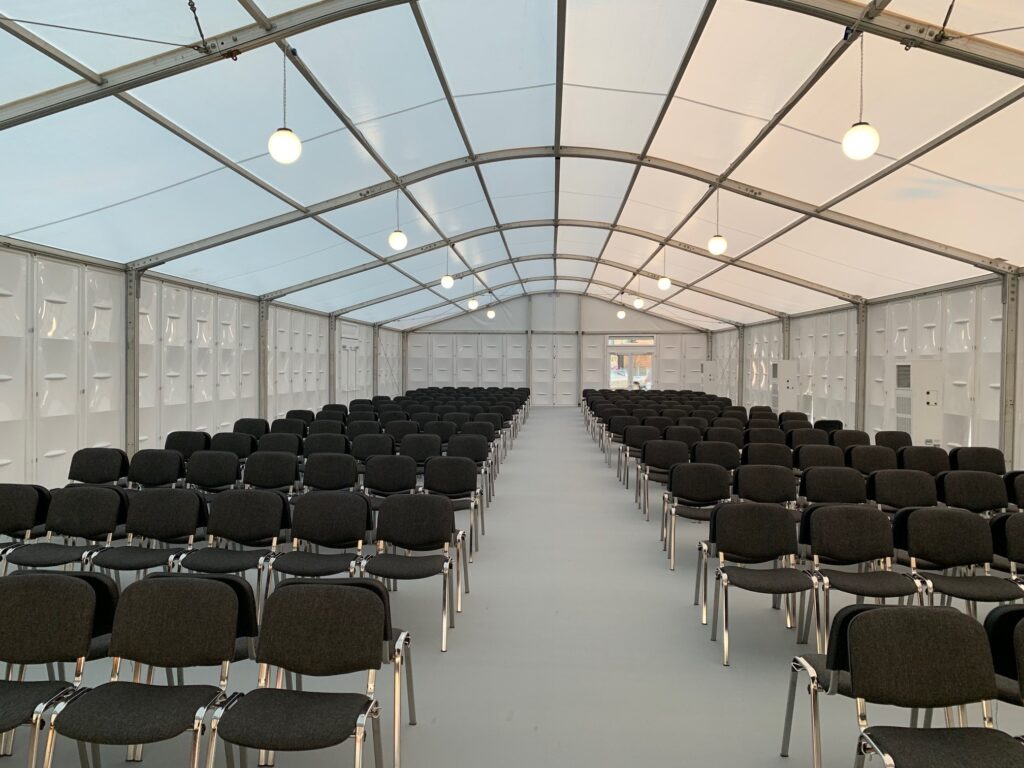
{"x":750,"y":533}
{"x":693,"y":492}
{"x":828,"y":425}
{"x":356,"y":429}
{"x":975,"y":490}
{"x":926,"y":458}
{"x":326,"y":427}
{"x":795,"y":438}
{"x":475,"y":447}
{"x":767,"y":453}
{"x":23,"y":511}
{"x":98,"y":466}
{"x":330,"y":472}
{"x":816,"y":455}
{"x":242,"y":444}
{"x":456,"y":478}
{"x":187,"y":442}
{"x":894,"y":439}
{"x":400,"y":428}
{"x":302,"y":415}
{"x":272,"y":471}
{"x":366,"y":446}
{"x":289,"y":427}
{"x":309,"y":629}
{"x":173,"y":623}
{"x":155,"y":468}
{"x":388,"y":475}
{"x":210,"y":472}
{"x":870,"y":458}
{"x":833,"y":485}
{"x":724,"y":454}
{"x":324,"y":443}
{"x":894,"y":489}
{"x":684,"y":434}
{"x":764,"y":436}
{"x":255,"y":427}
{"x":281,"y":442}
{"x":766,"y":483}
{"x":421,"y":447}
{"x":657,"y":457}
{"x":978,"y":459}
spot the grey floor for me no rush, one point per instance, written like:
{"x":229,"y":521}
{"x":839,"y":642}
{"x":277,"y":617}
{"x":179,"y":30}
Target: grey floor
{"x":577,"y":646}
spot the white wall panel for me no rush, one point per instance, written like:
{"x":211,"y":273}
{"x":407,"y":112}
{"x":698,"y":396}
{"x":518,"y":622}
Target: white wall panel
{"x":227,"y":364}
{"x":542,"y":367}
{"x":725,"y":361}
{"x":104,"y":358}
{"x":389,"y":367}
{"x":825,"y":346}
{"x":297,"y":371}
{"x":203,"y":376}
{"x":354,"y":363}
{"x":516,"y":362}
{"x":762,"y":347}
{"x":15,"y":331}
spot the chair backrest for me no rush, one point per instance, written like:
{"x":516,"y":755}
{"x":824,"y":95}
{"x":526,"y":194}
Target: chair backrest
{"x":421,"y":447}
{"x":765,"y":483}
{"x":389,"y":416}
{"x":807,"y":456}
{"x":772,"y":435}
{"x":976,"y":490}
{"x":443,"y":429}
{"x":700,"y":484}
{"x":400,"y":428}
{"x":335,"y":407}
{"x":803,"y":436}
{"x":98,"y":466}
{"x":767,"y":453}
{"x":365,"y":446}
{"x":683,"y":434}
{"x":661,"y":423}
{"x":726,"y":422}
{"x":753,"y":531}
{"x":367,"y":416}
{"x":175,"y":622}
{"x":767,"y":423}
{"x":697,"y":422}
{"x":356,"y":429}
{"x":723,"y":454}
{"x":86,"y":511}
{"x":1001,"y":629}
{"x":792,"y":416}
{"x":663,"y":454}
{"x":248,"y":516}
{"x":337,"y":519}
{"x":271,"y":469}
{"x":330,"y":472}
{"x":833,"y":485}
{"x":617,"y":424}
{"x":948,"y":537}
{"x":255,"y":427}
{"x":326,"y":427}
{"x":324,"y":443}
{"x":48,"y":617}
{"x":301,"y":414}
{"x":919,"y":657}
{"x":724,"y":435}
{"x":792,"y":426}
{"x":894,"y":439}
{"x":22,"y":507}
{"x":927,"y":458}
{"x":242,"y":444}
{"x":828,"y":425}
{"x":473,"y":447}
{"x":845,"y":438}
{"x":978,"y":459}
{"x":1014,"y":482}
{"x":870,"y":458}
{"x":479,"y":428}
{"x":155,"y":467}
{"x":847,"y":533}
{"x":423,"y":418}
{"x":416,"y":521}
{"x":212,"y":470}
{"x":898,"y":488}
{"x":450,"y":475}
{"x":187,"y":442}
{"x":165,"y":514}
{"x":636,"y":435}
{"x":390,"y":474}
{"x":281,"y":442}
{"x":322,"y":629}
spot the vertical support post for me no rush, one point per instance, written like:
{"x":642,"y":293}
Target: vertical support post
{"x":405,"y":361}
{"x":263,"y":357}
{"x":132,"y":289}
{"x":375,"y":349}
{"x":860,"y":406}
{"x":741,"y":362}
{"x":332,"y":358}
{"x":529,"y":342}
{"x":785,"y":337}
{"x":1008,"y":380}
{"x":709,"y":352}
{"x":579,"y":350}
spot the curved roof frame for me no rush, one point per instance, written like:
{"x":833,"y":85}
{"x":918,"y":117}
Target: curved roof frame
{"x":869,"y":18}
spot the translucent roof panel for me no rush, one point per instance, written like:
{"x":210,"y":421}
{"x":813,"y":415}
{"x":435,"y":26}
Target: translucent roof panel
{"x":704,"y":136}
{"x":36,"y":72}
{"x":521,"y":190}
{"x":531,"y":241}
{"x":698,"y":302}
{"x":536,"y":268}
{"x":682,"y":266}
{"x":613,"y":275}
{"x":271,"y":260}
{"x":425,"y":318}
{"x":628,"y":249}
{"x":570,"y":286}
{"x":332,"y":161}
{"x":689,"y":318}
{"x":742,"y":220}
{"x":430,"y":266}
{"x":166,"y":22}
{"x":605,"y":76}
{"x":503,"y":73}
{"x":857,"y":263}
{"x":592,"y":189}
{"x":482,"y":249}
{"x":540,"y":286}
{"x":574,"y":268}
{"x":659,"y":200}
{"x":371,"y":221}
{"x":602,"y":291}
{"x":499,"y":275}
{"x":581,"y":241}
{"x":455,"y":201}
{"x":386,"y":310}
{"x":349,"y":291}
{"x":749,"y":286}
{"x":396,"y":101}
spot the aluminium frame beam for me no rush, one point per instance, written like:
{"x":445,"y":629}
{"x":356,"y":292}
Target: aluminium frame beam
{"x":1008,"y":381}
{"x":223,"y":46}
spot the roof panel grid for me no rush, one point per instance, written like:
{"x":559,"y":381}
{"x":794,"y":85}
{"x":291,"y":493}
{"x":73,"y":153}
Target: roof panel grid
{"x":403,"y":305}
{"x":536,"y":268}
{"x":371,"y":221}
{"x":745,"y":285}
{"x":659,"y":200}
{"x":36,"y":72}
{"x":725,"y":310}
{"x":574,"y":268}
{"x":582,"y":241}
{"x":743,"y":221}
{"x":628,"y":249}
{"x":530,"y":241}
{"x":591,"y":189}
{"x":521,"y":190}
{"x":349,"y":291}
{"x":482,"y":249}
{"x":455,"y":201}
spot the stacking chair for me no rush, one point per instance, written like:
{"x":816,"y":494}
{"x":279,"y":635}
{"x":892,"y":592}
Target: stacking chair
{"x":693,"y":492}
{"x":927,"y":458}
{"x":895,"y":489}
{"x":187,"y":442}
{"x":724,"y":435}
{"x":978,"y":491}
{"x":657,"y":457}
{"x":302,"y":415}
{"x":793,"y":425}
{"x":978,"y":459}
{"x":724,"y":422}
{"x":400,"y":428}
{"x":386,"y":476}
{"x":389,"y":416}
{"x":828,"y":425}
{"x":845,"y":438}
{"x":764,"y":436}
{"x":48,"y":619}
{"x":242,"y":444}
{"x":458,"y":418}
{"x":769,"y":423}
{"x":1006,"y":641}
{"x":807,"y":456}
{"x":684,"y":434}
{"x":767,"y":484}
{"x":157,"y":521}
{"x":486,"y":429}
{"x":255,"y":427}
{"x":792,"y":416}
{"x":272,"y":471}
{"x":851,"y":535}
{"x":76,"y":513}
{"x":795,"y":438}
{"x":833,"y":485}
{"x":309,"y":629}
{"x":751,"y":533}
{"x":326,"y":427}
{"x":443,"y":429}
{"x":724,"y":454}
{"x":160,"y":623}
{"x":421,"y":447}
{"x":356,"y":429}
{"x":366,"y":446}
{"x":324,"y":443}
{"x":98,"y":466}
{"x":330,"y":472}
{"x":420,"y":523}
{"x":281,"y":442}
{"x":455,"y":477}
{"x":155,"y":468}
{"x":926,"y":657}
{"x":633,"y":439}
{"x":23,"y":511}
{"x":893,"y":439}
{"x":870,"y":458}
{"x":767,"y":453}
{"x":333,"y":411}
{"x":697,"y":422}
{"x":475,"y":447}
{"x":210,"y":472}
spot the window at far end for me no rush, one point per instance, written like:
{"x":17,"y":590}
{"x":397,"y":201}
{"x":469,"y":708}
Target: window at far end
{"x":630,"y":341}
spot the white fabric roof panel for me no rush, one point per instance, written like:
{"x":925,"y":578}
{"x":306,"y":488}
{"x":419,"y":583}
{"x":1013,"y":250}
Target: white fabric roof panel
{"x":659,"y":200}
{"x":531,"y":241}
{"x":536,"y":268}
{"x":521,"y":190}
{"x":581,"y":241}
{"x":745,"y":285}
{"x":727,"y":310}
{"x":455,"y":201}
{"x":371,"y":221}
{"x":743,"y":222}
{"x":628,"y":249}
{"x":574,"y":268}
{"x":330,"y":297}
{"x":591,"y":189}
{"x":36,"y":72}
{"x":482,"y":249}
{"x":403,"y":305}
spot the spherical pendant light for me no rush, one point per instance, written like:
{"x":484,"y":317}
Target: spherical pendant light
{"x":664,"y":283}
{"x":398,"y":240}
{"x":621,"y":314}
{"x":472,"y":304}
{"x":717,"y":245}
{"x":861,"y":141}
{"x":491,"y":314}
{"x":447,"y":281}
{"x":284,"y":146}
{"x":638,"y":303}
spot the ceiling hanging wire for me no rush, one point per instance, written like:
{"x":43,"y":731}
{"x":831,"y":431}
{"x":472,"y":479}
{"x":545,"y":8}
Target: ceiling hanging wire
{"x":861,"y":139}
{"x":447,"y":281}
{"x":101,"y":33}
{"x":717,"y":244}
{"x":284,"y":146}
{"x":397,"y":239}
